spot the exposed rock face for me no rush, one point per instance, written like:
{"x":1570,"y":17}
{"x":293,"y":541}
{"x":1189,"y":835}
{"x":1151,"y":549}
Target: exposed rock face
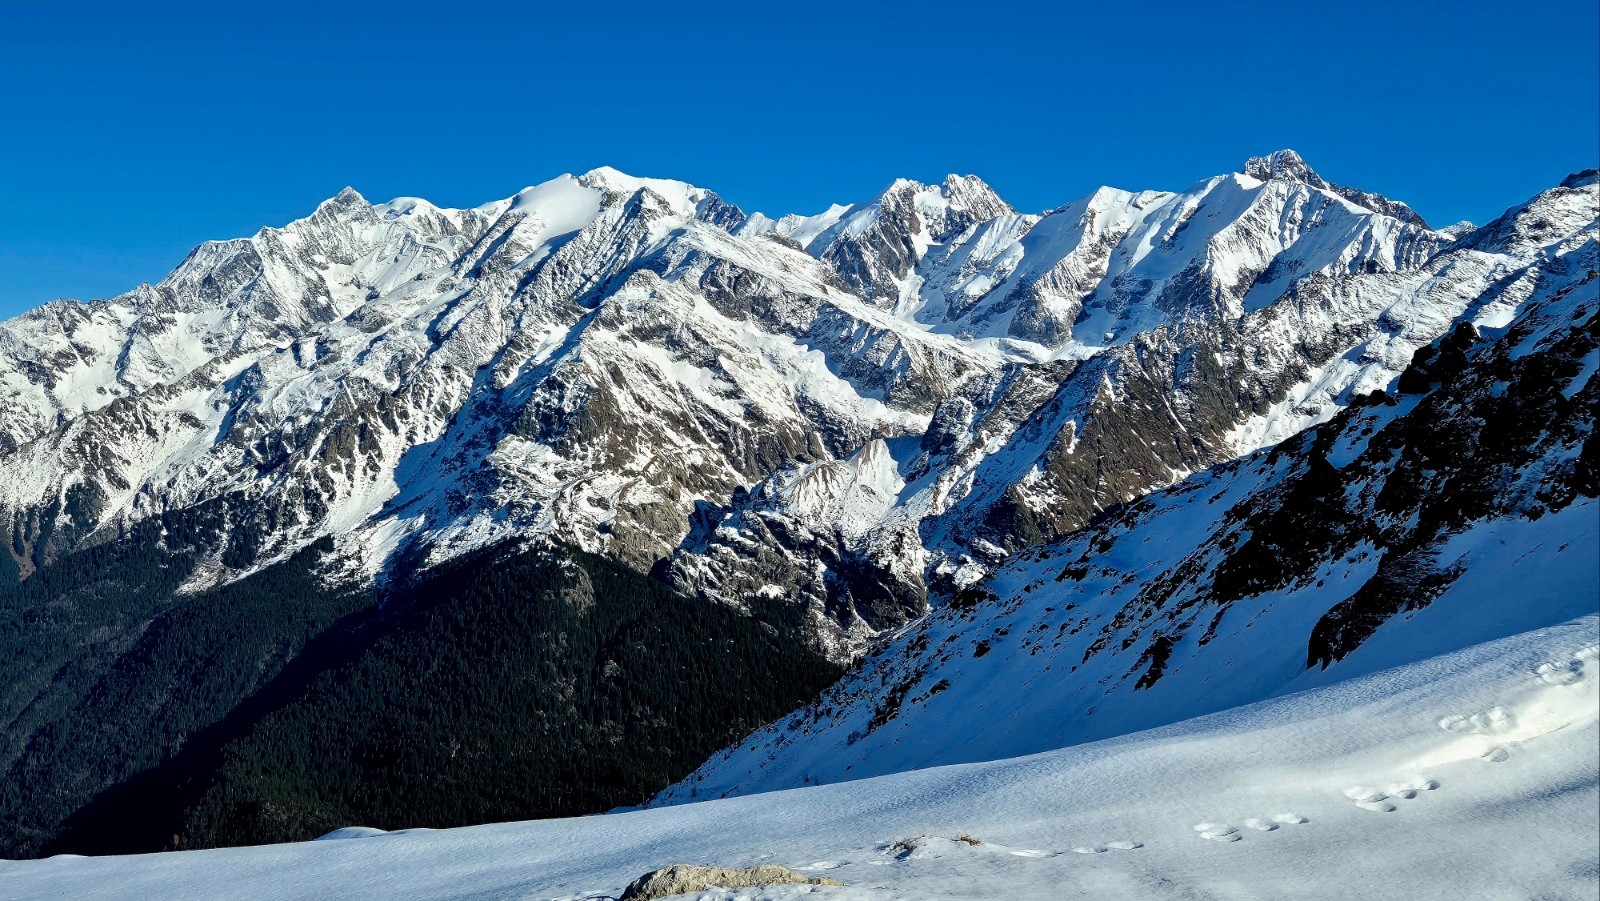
{"x":682,"y":878}
{"x":852,"y":409}
{"x":815,"y":533}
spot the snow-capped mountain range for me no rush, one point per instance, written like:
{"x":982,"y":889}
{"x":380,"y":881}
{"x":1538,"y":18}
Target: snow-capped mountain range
{"x":1262,"y":515}
{"x":850,"y":410}
{"x":1456,"y":510}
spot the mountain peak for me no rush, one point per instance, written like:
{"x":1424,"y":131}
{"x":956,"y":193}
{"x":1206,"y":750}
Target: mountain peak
{"x":1581,"y":179}
{"x":612,"y":179}
{"x":975,"y":194}
{"x":681,"y":197}
{"x":1285,"y":165}
{"x":346,"y":197}
{"x":608,"y":174}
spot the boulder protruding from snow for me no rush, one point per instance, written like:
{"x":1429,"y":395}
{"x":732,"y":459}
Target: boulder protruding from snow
{"x":683,"y":878}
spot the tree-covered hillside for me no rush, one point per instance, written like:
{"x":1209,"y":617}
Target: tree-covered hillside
{"x":515,"y":683}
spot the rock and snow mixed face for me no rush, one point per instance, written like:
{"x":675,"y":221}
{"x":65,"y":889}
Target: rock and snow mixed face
{"x":841,"y":409}
{"x":1458,"y":510}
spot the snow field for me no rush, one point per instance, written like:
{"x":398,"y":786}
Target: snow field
{"x":1376,"y":788}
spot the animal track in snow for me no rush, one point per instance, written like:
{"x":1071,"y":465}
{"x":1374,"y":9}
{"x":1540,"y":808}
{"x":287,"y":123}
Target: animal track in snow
{"x":1370,"y":799}
{"x":1222,"y":832}
{"x":1495,"y":721}
{"x":1561,"y":673}
{"x":1218,"y":832}
{"x":1562,"y":696}
{"x":1108,"y":846}
{"x":1407,"y":789}
{"x":1569,"y":671}
{"x":1379,"y":801}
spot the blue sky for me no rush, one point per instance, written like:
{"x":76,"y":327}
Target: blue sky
{"x":132,"y":132}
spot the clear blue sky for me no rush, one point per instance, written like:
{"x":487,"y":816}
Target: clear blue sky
{"x":130,"y":132}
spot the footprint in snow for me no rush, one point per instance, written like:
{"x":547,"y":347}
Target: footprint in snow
{"x":1494,"y":721}
{"x":1222,"y":832}
{"x":1561,"y":673}
{"x":1218,"y":832}
{"x":1370,"y":799}
{"x":1381,"y":801}
{"x":1498,"y":721}
{"x":1108,"y":846}
{"x":1406,"y":789}
{"x":1569,"y":671}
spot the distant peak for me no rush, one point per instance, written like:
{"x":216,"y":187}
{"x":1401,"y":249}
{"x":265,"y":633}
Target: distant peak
{"x":961,"y":192}
{"x":970,"y":186}
{"x":616,"y":180}
{"x":349,"y":197}
{"x":608,"y":174}
{"x":904,"y":186}
{"x":1581,"y":179}
{"x":954,"y":182}
{"x":663,"y":195}
{"x":1284,"y":165}
{"x":611,"y":179}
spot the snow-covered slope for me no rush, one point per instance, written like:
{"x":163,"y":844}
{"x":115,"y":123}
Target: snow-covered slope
{"x":636,"y":367}
{"x":1470,"y":775}
{"x":1458,"y":509}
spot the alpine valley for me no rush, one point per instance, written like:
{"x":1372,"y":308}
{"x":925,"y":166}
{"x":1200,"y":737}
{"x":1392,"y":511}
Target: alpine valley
{"x":611,"y":494}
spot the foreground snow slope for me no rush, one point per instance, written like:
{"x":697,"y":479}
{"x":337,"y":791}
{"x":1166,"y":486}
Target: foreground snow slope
{"x":1470,"y":775}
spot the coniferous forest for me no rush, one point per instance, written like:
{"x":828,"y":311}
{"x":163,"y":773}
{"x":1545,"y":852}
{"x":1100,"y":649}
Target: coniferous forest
{"x":510,"y":684}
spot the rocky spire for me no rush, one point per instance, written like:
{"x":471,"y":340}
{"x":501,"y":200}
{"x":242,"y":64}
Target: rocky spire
{"x":1286,"y":165}
{"x":1283,"y":165}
